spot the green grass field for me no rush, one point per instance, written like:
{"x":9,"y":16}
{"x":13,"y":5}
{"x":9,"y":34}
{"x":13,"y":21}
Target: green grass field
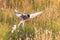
{"x":44,"y":27}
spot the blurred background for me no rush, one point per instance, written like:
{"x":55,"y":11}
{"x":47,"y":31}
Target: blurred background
{"x":44,"y":27}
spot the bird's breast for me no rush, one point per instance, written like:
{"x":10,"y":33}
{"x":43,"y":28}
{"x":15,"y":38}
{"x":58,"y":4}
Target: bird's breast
{"x":24,"y":17}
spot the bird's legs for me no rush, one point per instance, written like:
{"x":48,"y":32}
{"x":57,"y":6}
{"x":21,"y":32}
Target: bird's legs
{"x":14,"y":27}
{"x":23,"y":23}
{"x":20,"y":23}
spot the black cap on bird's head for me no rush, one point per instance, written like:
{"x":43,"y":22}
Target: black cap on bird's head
{"x":28,"y":15}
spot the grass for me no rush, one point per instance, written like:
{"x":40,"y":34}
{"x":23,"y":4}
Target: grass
{"x":30,"y":29}
{"x":43,"y":27}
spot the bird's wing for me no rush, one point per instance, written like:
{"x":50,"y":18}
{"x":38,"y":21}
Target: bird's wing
{"x":36,"y":14}
{"x":18,"y":14}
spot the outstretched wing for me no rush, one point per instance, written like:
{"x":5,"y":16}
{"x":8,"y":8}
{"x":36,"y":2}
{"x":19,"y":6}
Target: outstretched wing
{"x":18,"y":14}
{"x":36,"y":14}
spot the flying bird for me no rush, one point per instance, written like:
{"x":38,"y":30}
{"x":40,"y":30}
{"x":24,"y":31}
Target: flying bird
{"x":26,"y":17}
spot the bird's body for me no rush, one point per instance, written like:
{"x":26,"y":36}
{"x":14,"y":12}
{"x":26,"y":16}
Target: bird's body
{"x":26,"y":17}
{"x":22,"y":16}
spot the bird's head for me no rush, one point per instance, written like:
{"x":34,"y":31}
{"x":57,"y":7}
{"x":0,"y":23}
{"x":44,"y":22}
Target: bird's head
{"x":28,"y":15}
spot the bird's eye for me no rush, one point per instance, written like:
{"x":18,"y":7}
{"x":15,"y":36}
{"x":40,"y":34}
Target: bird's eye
{"x":28,"y":15}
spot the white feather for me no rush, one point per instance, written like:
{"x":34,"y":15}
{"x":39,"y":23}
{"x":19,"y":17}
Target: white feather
{"x":13,"y":28}
{"x":15,"y":10}
{"x":36,"y":14}
{"x":18,"y":15}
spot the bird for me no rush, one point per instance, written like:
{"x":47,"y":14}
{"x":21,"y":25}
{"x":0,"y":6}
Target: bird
{"x":26,"y":17}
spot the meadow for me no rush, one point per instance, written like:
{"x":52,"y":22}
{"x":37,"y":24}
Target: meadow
{"x":44,"y":27}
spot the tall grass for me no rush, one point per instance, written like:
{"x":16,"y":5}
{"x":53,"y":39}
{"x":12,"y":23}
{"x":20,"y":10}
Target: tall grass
{"x":43,"y":27}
